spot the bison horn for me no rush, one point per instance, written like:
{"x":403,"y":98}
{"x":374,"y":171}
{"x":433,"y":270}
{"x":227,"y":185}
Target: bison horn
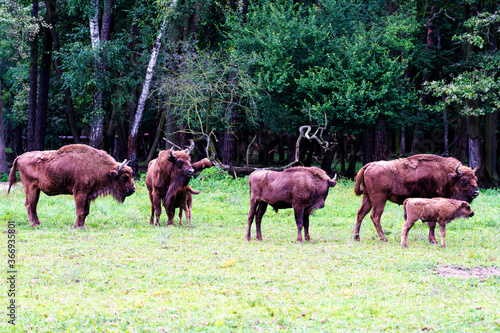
{"x":334,"y":177}
{"x":456,"y":169}
{"x":122,"y":165}
{"x":476,"y":168}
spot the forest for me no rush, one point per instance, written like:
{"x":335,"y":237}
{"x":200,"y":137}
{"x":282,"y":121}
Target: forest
{"x":262,"y":83}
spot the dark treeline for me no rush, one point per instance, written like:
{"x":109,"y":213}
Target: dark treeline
{"x":350,"y":81}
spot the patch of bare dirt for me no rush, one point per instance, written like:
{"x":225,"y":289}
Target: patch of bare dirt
{"x":468,"y":273}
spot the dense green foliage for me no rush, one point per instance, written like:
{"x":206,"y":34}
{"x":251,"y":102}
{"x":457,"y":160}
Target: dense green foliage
{"x":426,"y":72}
{"x":120,"y":274}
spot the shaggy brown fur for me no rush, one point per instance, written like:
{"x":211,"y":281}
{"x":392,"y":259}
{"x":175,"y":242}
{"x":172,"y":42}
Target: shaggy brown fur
{"x":432,"y":211}
{"x":168,"y":175}
{"x":419,"y":176}
{"x":80,"y":170}
{"x":301,"y":188}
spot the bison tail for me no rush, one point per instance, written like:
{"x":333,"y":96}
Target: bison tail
{"x":190,"y":190}
{"x":359,"y":181}
{"x":12,"y":175}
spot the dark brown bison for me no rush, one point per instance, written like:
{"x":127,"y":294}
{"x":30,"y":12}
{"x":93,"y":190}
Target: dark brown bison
{"x":80,"y":170}
{"x":419,"y":176}
{"x":302,"y":188}
{"x":184,"y":201}
{"x":432,"y":211}
{"x":167,"y":175}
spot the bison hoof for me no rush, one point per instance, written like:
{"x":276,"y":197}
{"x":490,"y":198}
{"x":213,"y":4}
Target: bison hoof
{"x":356,"y":238}
{"x":260,"y":239}
{"x":384,"y":239}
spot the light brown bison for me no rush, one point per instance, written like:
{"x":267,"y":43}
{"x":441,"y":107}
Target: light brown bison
{"x":80,"y":170}
{"x":184,"y":201}
{"x":167,"y":175}
{"x":302,"y":188}
{"x":419,"y":176}
{"x":432,"y":211}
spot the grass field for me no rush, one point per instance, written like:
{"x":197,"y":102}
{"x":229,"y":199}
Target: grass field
{"x":120,"y":274}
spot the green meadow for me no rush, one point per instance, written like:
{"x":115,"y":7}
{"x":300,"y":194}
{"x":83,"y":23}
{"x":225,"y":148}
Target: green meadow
{"x":122,"y":275}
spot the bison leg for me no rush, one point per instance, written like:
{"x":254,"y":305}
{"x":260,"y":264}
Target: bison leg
{"x":410,"y":222}
{"x":251,"y":214}
{"x":82,"y":205}
{"x":261,"y":209}
{"x":32,"y":197}
{"x":299,"y":220}
{"x":378,"y":209}
{"x":180,"y":215}
{"x":151,"y":220}
{"x":306,"y":227}
{"x":156,"y":204}
{"x":170,"y":210}
{"x":442,"y":231}
{"x":432,"y":235}
{"x":365,"y":208}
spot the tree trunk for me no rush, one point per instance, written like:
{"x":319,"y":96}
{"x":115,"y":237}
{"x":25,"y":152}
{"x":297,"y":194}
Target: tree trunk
{"x":70,"y":110}
{"x":491,"y":148}
{"x":156,"y":141}
{"x":381,"y":149}
{"x":134,"y":131}
{"x":369,"y":151}
{"x":33,"y":85}
{"x":43,"y":91}
{"x":229,"y":153}
{"x":473,"y":140}
{"x":402,"y":143}
{"x":3,"y":157}
{"x":97,"y":118}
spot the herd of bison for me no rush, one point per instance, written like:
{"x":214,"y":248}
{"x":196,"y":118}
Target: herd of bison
{"x":431,"y":188}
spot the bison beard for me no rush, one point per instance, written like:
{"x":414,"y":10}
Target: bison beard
{"x":432,"y":211}
{"x":80,"y":170}
{"x":419,"y":176}
{"x":301,"y":188}
{"x":168,"y":175}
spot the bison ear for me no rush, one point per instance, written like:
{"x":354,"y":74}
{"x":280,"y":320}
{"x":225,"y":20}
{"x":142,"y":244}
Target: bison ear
{"x":464,"y":204}
{"x":453,"y":176}
{"x":113,"y":174}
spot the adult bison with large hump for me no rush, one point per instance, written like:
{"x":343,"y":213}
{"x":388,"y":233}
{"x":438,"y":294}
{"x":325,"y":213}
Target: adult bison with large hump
{"x":167,"y":176}
{"x":80,"y":170}
{"x":302,"y":188}
{"x":419,"y":176}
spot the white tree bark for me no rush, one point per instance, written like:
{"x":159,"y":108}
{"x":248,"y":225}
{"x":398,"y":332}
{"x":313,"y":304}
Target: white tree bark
{"x":147,"y":82}
{"x":97,"y":125}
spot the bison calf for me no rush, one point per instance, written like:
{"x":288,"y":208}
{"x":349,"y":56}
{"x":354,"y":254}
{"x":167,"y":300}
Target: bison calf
{"x":184,"y":201}
{"x":440,"y":210}
{"x":80,"y":170}
{"x":302,"y":188}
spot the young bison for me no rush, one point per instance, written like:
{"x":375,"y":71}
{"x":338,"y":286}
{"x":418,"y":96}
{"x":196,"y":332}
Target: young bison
{"x":301,"y":188}
{"x":440,"y":210}
{"x":184,"y":201}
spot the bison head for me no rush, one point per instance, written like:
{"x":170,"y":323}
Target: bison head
{"x":182,"y":162}
{"x":122,"y":182}
{"x":464,"y":184}
{"x":465,"y":210}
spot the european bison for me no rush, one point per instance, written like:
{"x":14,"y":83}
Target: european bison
{"x":167,"y":175}
{"x":302,"y":188}
{"x":419,"y":176}
{"x":440,"y":210}
{"x":184,"y":201}
{"x":80,"y":170}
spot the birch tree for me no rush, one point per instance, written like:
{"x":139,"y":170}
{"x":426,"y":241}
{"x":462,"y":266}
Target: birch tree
{"x":97,"y":124}
{"x":134,"y":130}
